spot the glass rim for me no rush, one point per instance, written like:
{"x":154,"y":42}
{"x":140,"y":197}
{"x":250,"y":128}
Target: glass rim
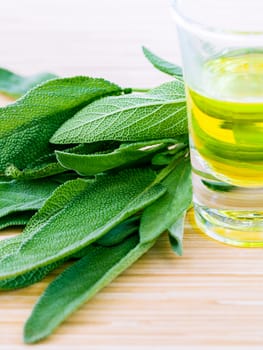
{"x":202,"y":30}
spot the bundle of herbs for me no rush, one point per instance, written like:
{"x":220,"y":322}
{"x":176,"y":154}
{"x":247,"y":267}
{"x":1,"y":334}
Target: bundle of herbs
{"x":96,"y":173}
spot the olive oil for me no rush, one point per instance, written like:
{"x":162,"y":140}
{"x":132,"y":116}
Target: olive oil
{"x":227,"y":130}
{"x":226,"y":135}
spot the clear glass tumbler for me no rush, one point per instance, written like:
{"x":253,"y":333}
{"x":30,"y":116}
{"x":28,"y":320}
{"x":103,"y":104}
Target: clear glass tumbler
{"x":222,"y":50}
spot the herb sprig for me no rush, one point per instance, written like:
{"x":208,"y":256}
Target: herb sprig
{"x":97,"y":173}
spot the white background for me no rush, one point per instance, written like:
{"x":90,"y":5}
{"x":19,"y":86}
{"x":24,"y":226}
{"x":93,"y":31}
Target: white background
{"x":97,"y":38}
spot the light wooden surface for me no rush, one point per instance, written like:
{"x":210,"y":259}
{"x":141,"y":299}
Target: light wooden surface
{"x":212,"y":297}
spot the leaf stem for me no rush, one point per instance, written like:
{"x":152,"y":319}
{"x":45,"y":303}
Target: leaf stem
{"x":166,"y":171}
{"x":139,"y":90}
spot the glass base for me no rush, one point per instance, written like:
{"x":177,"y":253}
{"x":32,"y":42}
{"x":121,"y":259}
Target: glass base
{"x":238,"y":228}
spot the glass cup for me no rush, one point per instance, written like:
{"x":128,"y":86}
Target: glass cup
{"x":222,"y":50}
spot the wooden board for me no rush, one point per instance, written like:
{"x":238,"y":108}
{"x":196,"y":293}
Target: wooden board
{"x":212,"y":297}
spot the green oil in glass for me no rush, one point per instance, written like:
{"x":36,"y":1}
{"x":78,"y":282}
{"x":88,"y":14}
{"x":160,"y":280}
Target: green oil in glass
{"x":226,"y":130}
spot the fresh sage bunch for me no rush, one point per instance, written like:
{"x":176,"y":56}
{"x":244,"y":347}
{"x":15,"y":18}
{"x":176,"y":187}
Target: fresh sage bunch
{"x":96,"y":173}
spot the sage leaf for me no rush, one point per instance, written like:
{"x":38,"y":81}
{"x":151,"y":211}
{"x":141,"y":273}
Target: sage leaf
{"x":16,"y":219}
{"x":169,"y":207}
{"x":120,"y":232}
{"x":166,"y":157}
{"x":19,"y":196}
{"x":15,"y":85}
{"x":43,"y":168}
{"x":126,"y":154}
{"x":64,"y":177}
{"x":48,"y":165}
{"x":159,"y":113}
{"x":53,"y":205}
{"x":162,"y":65}
{"x":59,"y":231}
{"x":78,"y":284}
{"x":27,"y":125}
{"x":115,"y":236}
{"x":29,"y":277}
{"x":176,"y":234}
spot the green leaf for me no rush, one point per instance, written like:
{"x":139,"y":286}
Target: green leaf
{"x":46,"y":168}
{"x":69,"y":221}
{"x":165,"y":157}
{"x":176,"y":234}
{"x":160,"y":113}
{"x":53,"y":205}
{"x":115,"y":236}
{"x":15,"y":85}
{"x":218,"y":186}
{"x":120,"y":232}
{"x":126,"y":154}
{"x":29,"y":277}
{"x":78,"y":284}
{"x":19,"y":196}
{"x":27,"y":125}
{"x":161,"y":215}
{"x":15,"y":219}
{"x":61,"y":197}
{"x":64,"y":177}
{"x":48,"y":165}
{"x":162,"y":65}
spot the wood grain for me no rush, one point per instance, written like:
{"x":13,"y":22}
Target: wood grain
{"x":212,"y":297}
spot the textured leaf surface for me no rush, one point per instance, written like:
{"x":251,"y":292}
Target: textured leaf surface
{"x":160,"y":113}
{"x":120,"y":232}
{"x":15,"y":219}
{"x":126,"y":154}
{"x":162,"y":65}
{"x":49,"y":166}
{"x":115,"y":236}
{"x":162,"y":214}
{"x":29,"y":277}
{"x":27,"y":125}
{"x":15,"y":85}
{"x":78,"y":284}
{"x":176,"y":234}
{"x":54,"y":204}
{"x":18,"y":196}
{"x":60,"y":229}
{"x":166,"y":157}
{"x":42,"y":168}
